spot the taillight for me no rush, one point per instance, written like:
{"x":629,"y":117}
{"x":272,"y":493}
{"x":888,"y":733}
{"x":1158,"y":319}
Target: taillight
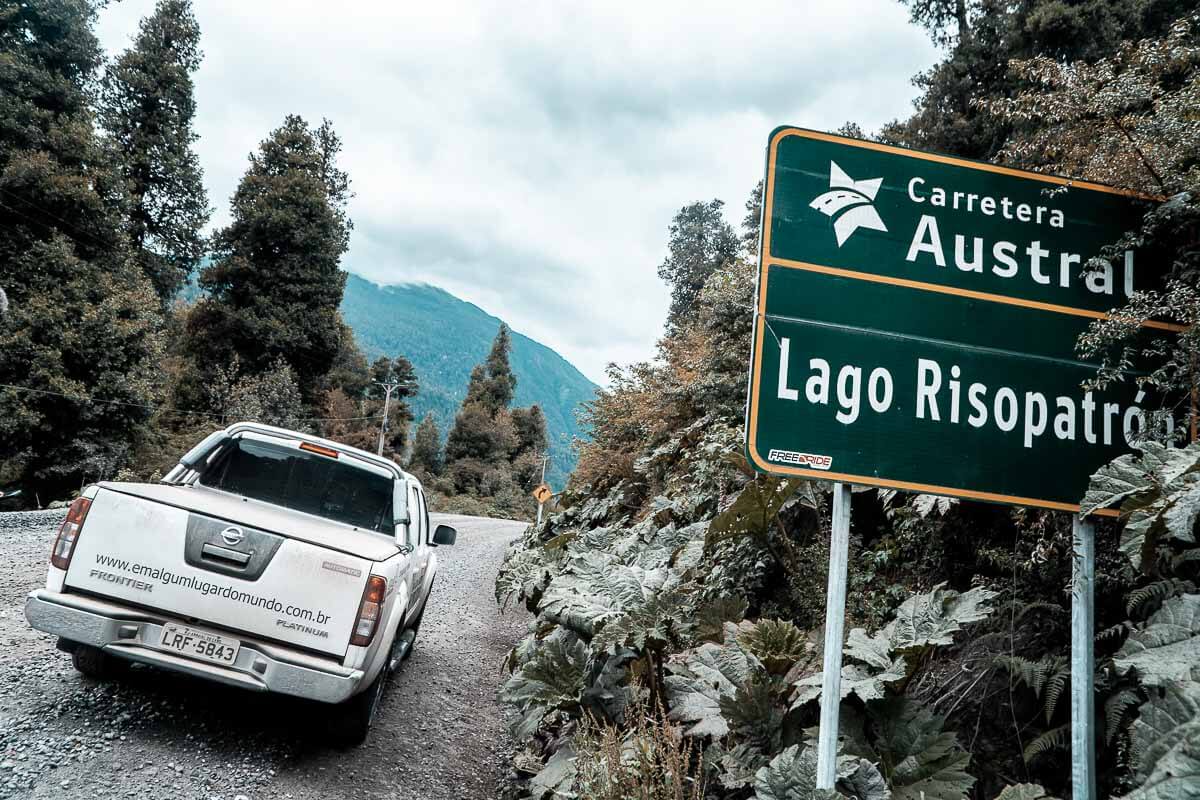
{"x":68,"y":533}
{"x":368,"y":612}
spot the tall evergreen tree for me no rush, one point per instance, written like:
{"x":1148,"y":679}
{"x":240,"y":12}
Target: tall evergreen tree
{"x":752,"y":223}
{"x":982,"y":36}
{"x":701,"y":241}
{"x":493,"y":382}
{"x":427,"y":446}
{"x":276,"y":284}
{"x":530,"y":426}
{"x":82,"y":321}
{"x":147,"y":107}
{"x":349,"y":373}
{"x":483,"y":429}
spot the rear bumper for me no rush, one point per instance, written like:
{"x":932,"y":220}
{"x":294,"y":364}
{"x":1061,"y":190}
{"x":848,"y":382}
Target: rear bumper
{"x":134,"y":634}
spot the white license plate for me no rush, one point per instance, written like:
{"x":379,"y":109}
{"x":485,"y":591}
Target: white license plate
{"x":202,"y":645}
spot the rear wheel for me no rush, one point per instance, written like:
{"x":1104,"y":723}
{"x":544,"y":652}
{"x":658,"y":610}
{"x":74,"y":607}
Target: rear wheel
{"x":352,"y":719}
{"x":95,"y":663}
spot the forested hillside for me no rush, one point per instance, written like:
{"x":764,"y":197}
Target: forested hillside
{"x":678,"y":597}
{"x":128,"y":331}
{"x":444,"y":337}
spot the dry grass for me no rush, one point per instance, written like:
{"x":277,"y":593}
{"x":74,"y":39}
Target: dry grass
{"x":648,"y":760}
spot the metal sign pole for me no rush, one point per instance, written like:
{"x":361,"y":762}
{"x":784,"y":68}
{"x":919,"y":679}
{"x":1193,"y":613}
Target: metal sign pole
{"x":545,"y":458}
{"x":1083,"y":696}
{"x":835,"y":626}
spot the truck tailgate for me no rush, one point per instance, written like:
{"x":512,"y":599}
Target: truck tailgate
{"x":189,"y":565}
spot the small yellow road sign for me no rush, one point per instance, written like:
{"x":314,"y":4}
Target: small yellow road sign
{"x":542,"y":493}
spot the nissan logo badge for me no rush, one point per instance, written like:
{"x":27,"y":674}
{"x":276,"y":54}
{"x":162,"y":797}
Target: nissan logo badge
{"x":233,"y":535}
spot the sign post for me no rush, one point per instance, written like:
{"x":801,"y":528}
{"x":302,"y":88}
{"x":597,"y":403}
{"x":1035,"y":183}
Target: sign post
{"x":915,"y":329}
{"x":542,"y":492}
{"x":1083,"y":695}
{"x":835,"y":627}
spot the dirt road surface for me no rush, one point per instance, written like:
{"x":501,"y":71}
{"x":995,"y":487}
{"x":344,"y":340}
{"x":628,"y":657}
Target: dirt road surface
{"x":152,"y":734}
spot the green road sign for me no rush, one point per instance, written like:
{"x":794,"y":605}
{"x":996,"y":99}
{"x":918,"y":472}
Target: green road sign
{"x":917,"y":318}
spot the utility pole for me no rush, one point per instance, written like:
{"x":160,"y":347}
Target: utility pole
{"x":388,"y":388}
{"x":545,"y":458}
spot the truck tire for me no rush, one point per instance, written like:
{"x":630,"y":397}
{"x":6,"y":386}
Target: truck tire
{"x":352,"y":718}
{"x":95,"y":663}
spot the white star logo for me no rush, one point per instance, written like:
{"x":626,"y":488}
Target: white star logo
{"x":852,"y":200}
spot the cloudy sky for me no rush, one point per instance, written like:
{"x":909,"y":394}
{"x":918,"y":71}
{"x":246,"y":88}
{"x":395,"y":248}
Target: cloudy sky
{"x":528,"y":157}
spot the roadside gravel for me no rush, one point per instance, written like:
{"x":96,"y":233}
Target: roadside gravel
{"x":153,"y":734}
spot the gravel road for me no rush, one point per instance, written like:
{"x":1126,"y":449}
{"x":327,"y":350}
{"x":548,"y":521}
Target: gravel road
{"x":152,"y":734}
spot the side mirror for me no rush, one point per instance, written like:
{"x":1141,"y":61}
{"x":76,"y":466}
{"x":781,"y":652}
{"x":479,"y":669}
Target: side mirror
{"x":444,"y":534}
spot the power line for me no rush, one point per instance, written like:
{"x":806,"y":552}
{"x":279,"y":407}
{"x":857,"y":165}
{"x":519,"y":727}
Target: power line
{"x":163,"y":409}
{"x":94,"y":241}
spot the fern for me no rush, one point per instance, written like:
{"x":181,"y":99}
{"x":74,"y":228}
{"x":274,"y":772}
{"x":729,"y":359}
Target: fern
{"x":1116,"y":713}
{"x":1039,"y":605}
{"x":1047,"y":677}
{"x":1145,"y":601}
{"x":1030,"y":673}
{"x":1048,"y":742}
{"x":1054,"y":689}
{"x":1115,"y":634}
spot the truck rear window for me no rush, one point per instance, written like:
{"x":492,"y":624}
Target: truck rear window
{"x":307,"y":482}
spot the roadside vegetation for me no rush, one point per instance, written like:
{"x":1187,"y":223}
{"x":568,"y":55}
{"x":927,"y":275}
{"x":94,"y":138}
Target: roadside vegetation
{"x":678,"y":597}
{"x":106,"y":370}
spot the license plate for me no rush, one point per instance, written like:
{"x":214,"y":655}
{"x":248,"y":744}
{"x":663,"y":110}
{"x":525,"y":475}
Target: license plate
{"x":201,"y":645}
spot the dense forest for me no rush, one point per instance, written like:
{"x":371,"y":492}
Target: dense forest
{"x":679,"y":597}
{"x":106,"y":371}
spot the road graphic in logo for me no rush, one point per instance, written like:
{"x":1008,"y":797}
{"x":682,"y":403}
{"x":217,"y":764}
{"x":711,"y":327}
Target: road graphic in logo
{"x":849,"y":203}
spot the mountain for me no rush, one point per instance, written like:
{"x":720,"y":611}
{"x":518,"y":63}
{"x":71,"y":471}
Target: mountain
{"x":444,"y":337}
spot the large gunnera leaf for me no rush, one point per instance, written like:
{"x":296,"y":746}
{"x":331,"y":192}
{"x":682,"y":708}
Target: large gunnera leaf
{"x":697,"y":686}
{"x":665,"y":618}
{"x":933,"y":618}
{"x":1166,"y":739}
{"x":557,"y":777}
{"x":865,"y":782}
{"x":593,"y":588}
{"x":1158,"y":489}
{"x":527,"y":569}
{"x":753,"y":512}
{"x":1024,"y":791}
{"x":866,"y":682}
{"x":791,"y":775}
{"x":919,"y":760}
{"x":923,"y":620}
{"x":552,"y":679}
{"x":1168,"y":648}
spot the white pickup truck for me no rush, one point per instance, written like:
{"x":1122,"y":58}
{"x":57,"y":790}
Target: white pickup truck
{"x":266,"y":559}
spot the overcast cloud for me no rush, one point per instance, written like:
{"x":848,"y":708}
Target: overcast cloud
{"x":528,"y":157}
